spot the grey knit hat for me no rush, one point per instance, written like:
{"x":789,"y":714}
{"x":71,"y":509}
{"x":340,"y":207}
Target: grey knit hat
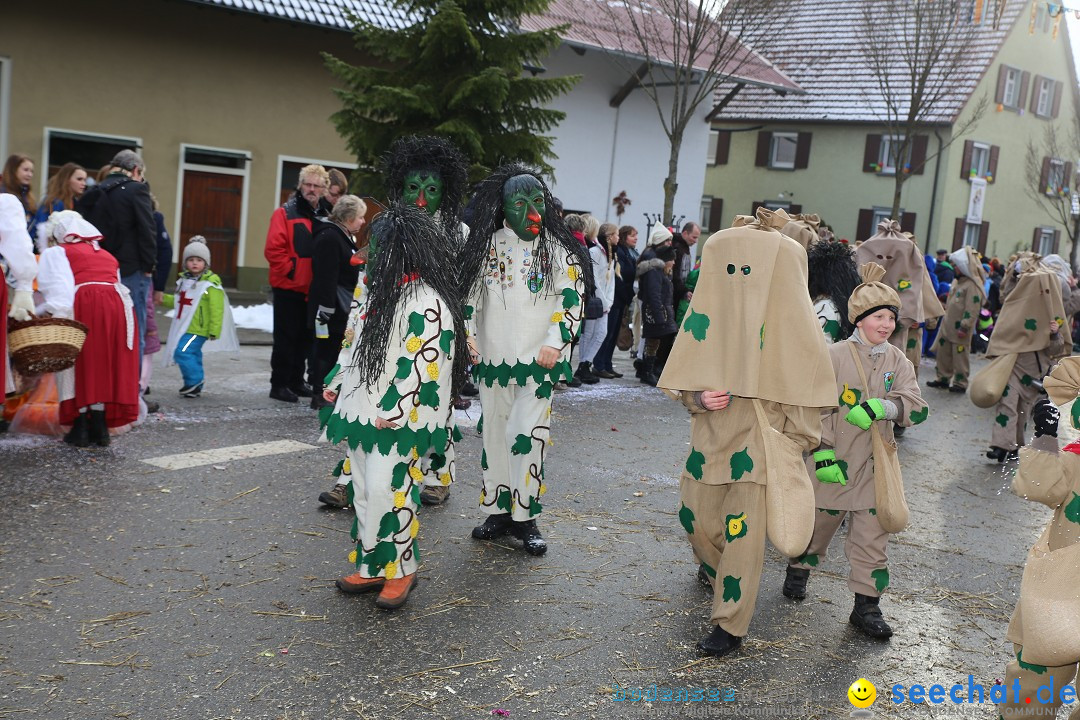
{"x":196,"y":247}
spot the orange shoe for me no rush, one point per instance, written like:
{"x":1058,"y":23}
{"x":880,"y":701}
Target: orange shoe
{"x":357,"y":583}
{"x":396,"y":592}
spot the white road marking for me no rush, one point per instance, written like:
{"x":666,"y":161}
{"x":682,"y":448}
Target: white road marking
{"x":226,"y":454}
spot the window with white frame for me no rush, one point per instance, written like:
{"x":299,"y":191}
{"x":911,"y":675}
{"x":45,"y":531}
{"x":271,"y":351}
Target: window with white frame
{"x":782,"y":150}
{"x":706,"y":212}
{"x":1045,"y":97}
{"x":1011,"y":97}
{"x":90,"y":150}
{"x":714,"y":141}
{"x":1046,"y":241}
{"x":887,"y":159}
{"x":1056,"y":177}
{"x":972,"y":231}
{"x":980,"y":160}
{"x":881,"y":214}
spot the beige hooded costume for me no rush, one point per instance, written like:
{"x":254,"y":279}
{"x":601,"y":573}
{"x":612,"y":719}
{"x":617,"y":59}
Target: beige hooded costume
{"x":966,"y":299}
{"x":905,"y":272}
{"x":1023,"y":330}
{"x":750,"y":330}
{"x":892,"y":379}
{"x":1052,"y":477}
{"x":803,"y":229}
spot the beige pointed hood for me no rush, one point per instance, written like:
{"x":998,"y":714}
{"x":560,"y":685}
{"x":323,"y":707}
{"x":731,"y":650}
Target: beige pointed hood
{"x":751,"y":328}
{"x":905,"y":269}
{"x":803,"y":229}
{"x":1024,"y":322}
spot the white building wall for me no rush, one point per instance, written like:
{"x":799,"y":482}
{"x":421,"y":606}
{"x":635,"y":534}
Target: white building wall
{"x":604,"y":150}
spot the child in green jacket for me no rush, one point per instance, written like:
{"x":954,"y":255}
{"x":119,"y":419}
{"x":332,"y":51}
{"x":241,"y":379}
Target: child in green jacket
{"x":200,"y":304}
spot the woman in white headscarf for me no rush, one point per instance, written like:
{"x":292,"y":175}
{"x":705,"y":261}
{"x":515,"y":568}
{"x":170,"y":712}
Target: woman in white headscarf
{"x":79,"y":279}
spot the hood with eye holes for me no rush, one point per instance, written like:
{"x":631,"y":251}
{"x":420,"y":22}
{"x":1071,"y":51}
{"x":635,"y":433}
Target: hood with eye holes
{"x":905,"y":269}
{"x":751,"y":328}
{"x":1024,"y":322}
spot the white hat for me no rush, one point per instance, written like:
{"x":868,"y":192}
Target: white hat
{"x":196,"y":247}
{"x":659,"y":233}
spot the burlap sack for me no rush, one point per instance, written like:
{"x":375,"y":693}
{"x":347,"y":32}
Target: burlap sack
{"x":987,"y":385}
{"x":889,"y":501}
{"x":905,"y":269}
{"x":1024,"y":322}
{"x":1063,"y":383}
{"x":789,"y":495}
{"x":803,"y":229}
{"x":1050,"y":597}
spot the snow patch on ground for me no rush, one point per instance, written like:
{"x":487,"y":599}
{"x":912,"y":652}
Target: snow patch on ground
{"x":252,"y":317}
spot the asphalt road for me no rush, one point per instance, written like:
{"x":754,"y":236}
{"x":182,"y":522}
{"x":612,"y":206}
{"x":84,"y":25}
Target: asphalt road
{"x":132,"y":591}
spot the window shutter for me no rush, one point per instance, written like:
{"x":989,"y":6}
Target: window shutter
{"x":965,"y":164}
{"x":918,"y":154}
{"x":764,"y":144}
{"x":865,"y":228}
{"x":992,"y":167}
{"x":716,"y":212}
{"x":907,"y":222}
{"x":755,"y":206}
{"x":1025,"y":80}
{"x":1044,"y":179}
{"x":958,"y":233}
{"x":1057,"y":99}
{"x":1035,"y":95}
{"x":802,"y":151}
{"x":984,"y":235}
{"x":1035,"y":239}
{"x":1067,"y":177}
{"x":999,"y":95}
{"x":1057,"y":240}
{"x":794,"y":209}
{"x":723,"y":147}
{"x":872,"y":152}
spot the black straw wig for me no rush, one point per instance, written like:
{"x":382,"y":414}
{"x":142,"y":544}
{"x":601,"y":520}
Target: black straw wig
{"x":419,"y":153}
{"x":412,"y":248}
{"x":488,"y":219}
{"x":832,"y":274}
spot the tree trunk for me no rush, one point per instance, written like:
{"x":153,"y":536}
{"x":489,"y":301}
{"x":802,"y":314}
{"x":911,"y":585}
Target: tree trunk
{"x":671,"y":184}
{"x":899,"y":185}
{"x":1075,"y":241}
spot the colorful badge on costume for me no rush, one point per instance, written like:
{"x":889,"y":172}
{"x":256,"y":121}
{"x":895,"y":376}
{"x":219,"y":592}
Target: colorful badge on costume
{"x":424,"y":189}
{"x":888,"y":380}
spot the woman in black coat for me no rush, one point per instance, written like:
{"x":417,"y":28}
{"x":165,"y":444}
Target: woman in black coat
{"x":657,"y":294}
{"x":334,"y":274}
{"x":626,"y":258}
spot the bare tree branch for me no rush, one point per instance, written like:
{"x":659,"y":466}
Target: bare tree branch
{"x":1057,"y":205}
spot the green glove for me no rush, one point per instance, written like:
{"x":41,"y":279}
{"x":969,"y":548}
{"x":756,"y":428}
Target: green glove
{"x":826,"y":469}
{"x":865,"y":413}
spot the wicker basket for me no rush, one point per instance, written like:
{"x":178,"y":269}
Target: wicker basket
{"x":44,"y":345}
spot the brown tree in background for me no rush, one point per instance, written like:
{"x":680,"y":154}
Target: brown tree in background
{"x":1049,"y":180}
{"x":921,"y":54}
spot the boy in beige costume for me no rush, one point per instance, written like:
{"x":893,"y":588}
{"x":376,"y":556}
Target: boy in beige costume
{"x":966,"y":299}
{"x":1052,"y":477}
{"x":751,"y":317}
{"x":1031,"y":327}
{"x":844,"y":464}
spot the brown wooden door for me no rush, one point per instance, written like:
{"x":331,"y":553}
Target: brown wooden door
{"x":211,"y":208}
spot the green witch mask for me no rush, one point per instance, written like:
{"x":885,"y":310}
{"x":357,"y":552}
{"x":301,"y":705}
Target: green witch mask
{"x":424,"y":189}
{"x":523,"y":206}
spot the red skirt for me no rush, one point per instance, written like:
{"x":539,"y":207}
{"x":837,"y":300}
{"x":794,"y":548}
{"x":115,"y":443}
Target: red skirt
{"x":3,"y":337}
{"x":106,"y":371}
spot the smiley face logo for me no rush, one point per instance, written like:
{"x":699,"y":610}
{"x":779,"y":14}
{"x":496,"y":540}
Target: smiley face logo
{"x":862,"y":693}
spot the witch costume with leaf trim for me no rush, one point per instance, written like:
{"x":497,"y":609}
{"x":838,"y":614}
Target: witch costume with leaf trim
{"x":400,"y":364}
{"x":523,"y":274}
{"x":752,"y":318}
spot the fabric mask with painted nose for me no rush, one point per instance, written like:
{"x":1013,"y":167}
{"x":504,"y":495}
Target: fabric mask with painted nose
{"x":424,"y":189}
{"x":523,"y":206}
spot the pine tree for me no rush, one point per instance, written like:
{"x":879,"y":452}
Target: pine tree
{"x":458,"y":71}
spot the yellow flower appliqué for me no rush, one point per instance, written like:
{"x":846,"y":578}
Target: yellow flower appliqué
{"x":543,"y":489}
{"x":399,"y":499}
{"x":414,"y":528}
{"x":572,"y":272}
{"x":414,"y":416}
{"x":352,"y":557}
{"x":557,"y":317}
{"x":413,"y":344}
{"x":416,"y":474}
{"x":415,"y":455}
{"x":445,"y":478}
{"x":391,"y":570}
{"x":346,"y":467}
{"x":433,"y":371}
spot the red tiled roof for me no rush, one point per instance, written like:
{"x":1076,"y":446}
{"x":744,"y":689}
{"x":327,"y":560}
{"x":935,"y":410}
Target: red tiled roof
{"x":830,"y":66}
{"x":591,"y":26}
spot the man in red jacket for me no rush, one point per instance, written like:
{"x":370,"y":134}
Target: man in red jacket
{"x":288,"y":251}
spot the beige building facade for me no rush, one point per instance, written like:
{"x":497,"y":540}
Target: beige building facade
{"x":827,"y":162}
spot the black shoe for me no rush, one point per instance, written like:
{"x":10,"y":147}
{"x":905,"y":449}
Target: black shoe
{"x":151,"y":406}
{"x":867,"y":618}
{"x":318,"y":402}
{"x":194,"y":391}
{"x":573,"y":382}
{"x":997,"y":454}
{"x":941,"y":384}
{"x":469,"y":390}
{"x":146,"y":391}
{"x":3,"y":426}
{"x":795,"y":583}
{"x":79,"y":435}
{"x":1012,"y":455}
{"x":719,"y":643}
{"x":585,"y":374}
{"x":959,"y":389}
{"x":188,"y":388}
{"x":527,"y":532}
{"x":704,"y":578}
{"x":462,"y":404}
{"x":97,"y":428}
{"x":302,"y":390}
{"x":614,"y":372}
{"x":283,"y":394}
{"x":898,"y":430}
{"x":494,"y":527}
{"x":638,"y":365}
{"x":647,"y":375}
{"x":604,"y":374}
